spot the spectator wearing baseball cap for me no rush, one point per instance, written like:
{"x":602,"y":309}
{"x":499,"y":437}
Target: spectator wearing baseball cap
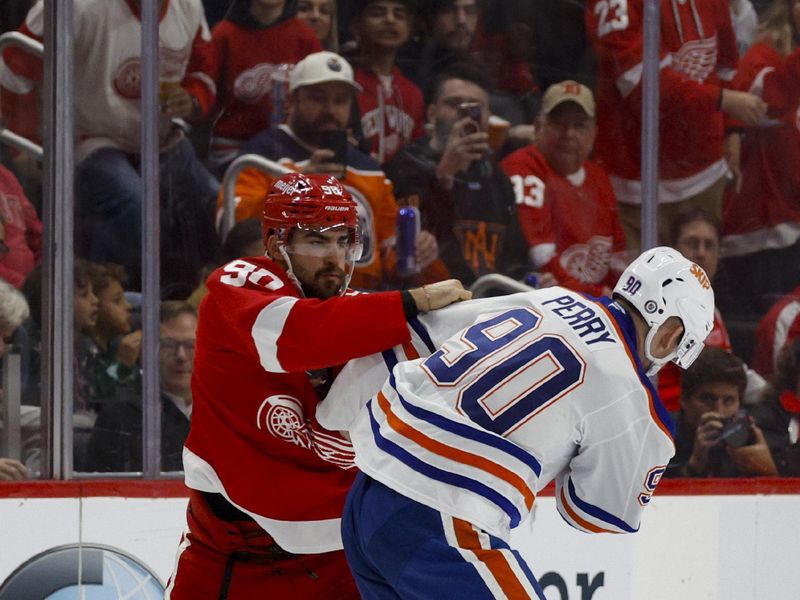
{"x":315,"y":139}
{"x":251,"y":54}
{"x":391,"y":106}
{"x":566,"y":205}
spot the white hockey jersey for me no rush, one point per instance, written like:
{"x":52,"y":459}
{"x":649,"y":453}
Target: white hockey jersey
{"x":539,"y":386}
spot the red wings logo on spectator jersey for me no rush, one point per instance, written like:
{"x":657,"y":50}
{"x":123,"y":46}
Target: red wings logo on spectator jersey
{"x":253,"y":84}
{"x":696,"y":59}
{"x":283,"y":417}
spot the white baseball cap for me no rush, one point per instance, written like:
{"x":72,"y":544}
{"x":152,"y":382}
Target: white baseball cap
{"x":321,"y":67}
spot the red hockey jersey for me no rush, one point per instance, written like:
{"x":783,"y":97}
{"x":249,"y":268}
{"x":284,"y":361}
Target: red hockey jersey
{"x":570,"y":223}
{"x":698,"y":53}
{"x":254,"y":436}
{"x":766,"y":213}
{"x":392,"y":112}
{"x":251,"y":66}
{"x":778,"y":327}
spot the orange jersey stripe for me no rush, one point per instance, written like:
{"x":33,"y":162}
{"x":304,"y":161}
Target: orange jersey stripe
{"x":454,"y":454}
{"x":651,"y":401}
{"x":411,"y":352}
{"x":495,"y":560}
{"x":580,"y":521}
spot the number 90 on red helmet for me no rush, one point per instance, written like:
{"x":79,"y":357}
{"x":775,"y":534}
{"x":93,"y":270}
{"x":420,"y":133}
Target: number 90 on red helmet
{"x":310,"y":202}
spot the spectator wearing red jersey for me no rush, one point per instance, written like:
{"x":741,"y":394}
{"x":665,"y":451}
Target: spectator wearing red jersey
{"x":698,"y":60}
{"x":761,"y":223}
{"x":267,"y":482}
{"x":251,"y":55}
{"x":566,"y":205}
{"x":392,"y":108}
{"x":22,"y":231}
{"x":776,"y":329}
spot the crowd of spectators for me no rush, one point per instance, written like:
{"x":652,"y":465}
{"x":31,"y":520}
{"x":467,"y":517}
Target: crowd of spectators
{"x":513,"y":127}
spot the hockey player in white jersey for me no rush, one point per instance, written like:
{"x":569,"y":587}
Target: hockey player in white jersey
{"x":543,"y":385}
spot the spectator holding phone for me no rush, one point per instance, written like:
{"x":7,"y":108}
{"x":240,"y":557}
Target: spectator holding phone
{"x":314,"y":140}
{"x":464,"y":197}
{"x":716,"y":436}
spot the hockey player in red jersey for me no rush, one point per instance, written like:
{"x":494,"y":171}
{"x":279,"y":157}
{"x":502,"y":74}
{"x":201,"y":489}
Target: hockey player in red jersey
{"x":267,"y":481}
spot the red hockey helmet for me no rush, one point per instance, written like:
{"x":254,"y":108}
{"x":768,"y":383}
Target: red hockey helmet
{"x":309,"y":202}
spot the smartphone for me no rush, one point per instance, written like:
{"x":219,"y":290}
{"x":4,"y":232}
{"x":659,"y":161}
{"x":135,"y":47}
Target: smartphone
{"x":336,"y":140}
{"x":472,"y":111}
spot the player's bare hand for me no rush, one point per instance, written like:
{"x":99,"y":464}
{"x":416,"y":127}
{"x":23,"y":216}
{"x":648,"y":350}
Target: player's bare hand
{"x":439,"y":294}
{"x":755,"y":459}
{"x":426,"y":249}
{"x":321,"y":161}
{"x":12,"y":470}
{"x":744,"y":106}
{"x":130,"y":347}
{"x":177,"y":103}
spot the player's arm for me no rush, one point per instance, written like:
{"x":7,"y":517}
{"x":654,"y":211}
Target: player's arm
{"x":623,"y":455}
{"x":291,"y":334}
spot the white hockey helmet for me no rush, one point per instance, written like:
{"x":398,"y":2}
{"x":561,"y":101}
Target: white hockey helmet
{"x":662,"y":283}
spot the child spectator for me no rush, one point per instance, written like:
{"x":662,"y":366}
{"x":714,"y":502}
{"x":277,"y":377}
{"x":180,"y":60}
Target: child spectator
{"x":115,"y":351}
{"x":116,"y":442}
{"x":251,"y":54}
{"x":392,"y":108}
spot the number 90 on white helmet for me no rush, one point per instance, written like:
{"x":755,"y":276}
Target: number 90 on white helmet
{"x":662,"y":283}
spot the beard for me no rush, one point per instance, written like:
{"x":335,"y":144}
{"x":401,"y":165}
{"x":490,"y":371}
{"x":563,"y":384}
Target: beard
{"x":310,"y":132}
{"x":323,"y":286}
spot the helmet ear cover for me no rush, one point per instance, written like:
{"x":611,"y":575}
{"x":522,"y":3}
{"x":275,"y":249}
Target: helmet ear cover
{"x":660,"y":284}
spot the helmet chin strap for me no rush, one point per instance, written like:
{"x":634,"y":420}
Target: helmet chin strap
{"x":656,"y":363}
{"x":289,"y":271}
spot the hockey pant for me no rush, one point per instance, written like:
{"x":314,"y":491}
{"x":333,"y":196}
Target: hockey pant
{"x":224,"y":557}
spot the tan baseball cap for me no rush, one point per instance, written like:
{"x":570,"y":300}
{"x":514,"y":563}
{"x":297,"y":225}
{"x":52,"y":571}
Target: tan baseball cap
{"x":321,"y":67}
{"x":568,"y":91}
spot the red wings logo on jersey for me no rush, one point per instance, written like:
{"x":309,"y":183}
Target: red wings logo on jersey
{"x":696,"y":59}
{"x":255,"y":83}
{"x":283,"y":417}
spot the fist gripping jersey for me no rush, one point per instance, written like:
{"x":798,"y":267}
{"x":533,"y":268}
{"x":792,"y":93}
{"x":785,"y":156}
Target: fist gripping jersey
{"x":570,"y":223}
{"x":254,"y":437}
{"x":546,"y":386}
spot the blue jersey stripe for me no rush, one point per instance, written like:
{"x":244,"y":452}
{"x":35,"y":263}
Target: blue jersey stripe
{"x":596,"y":512}
{"x":419,"y":328}
{"x":390,"y":358}
{"x":438,"y":474}
{"x":465,"y":431}
{"x":625,"y":323}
